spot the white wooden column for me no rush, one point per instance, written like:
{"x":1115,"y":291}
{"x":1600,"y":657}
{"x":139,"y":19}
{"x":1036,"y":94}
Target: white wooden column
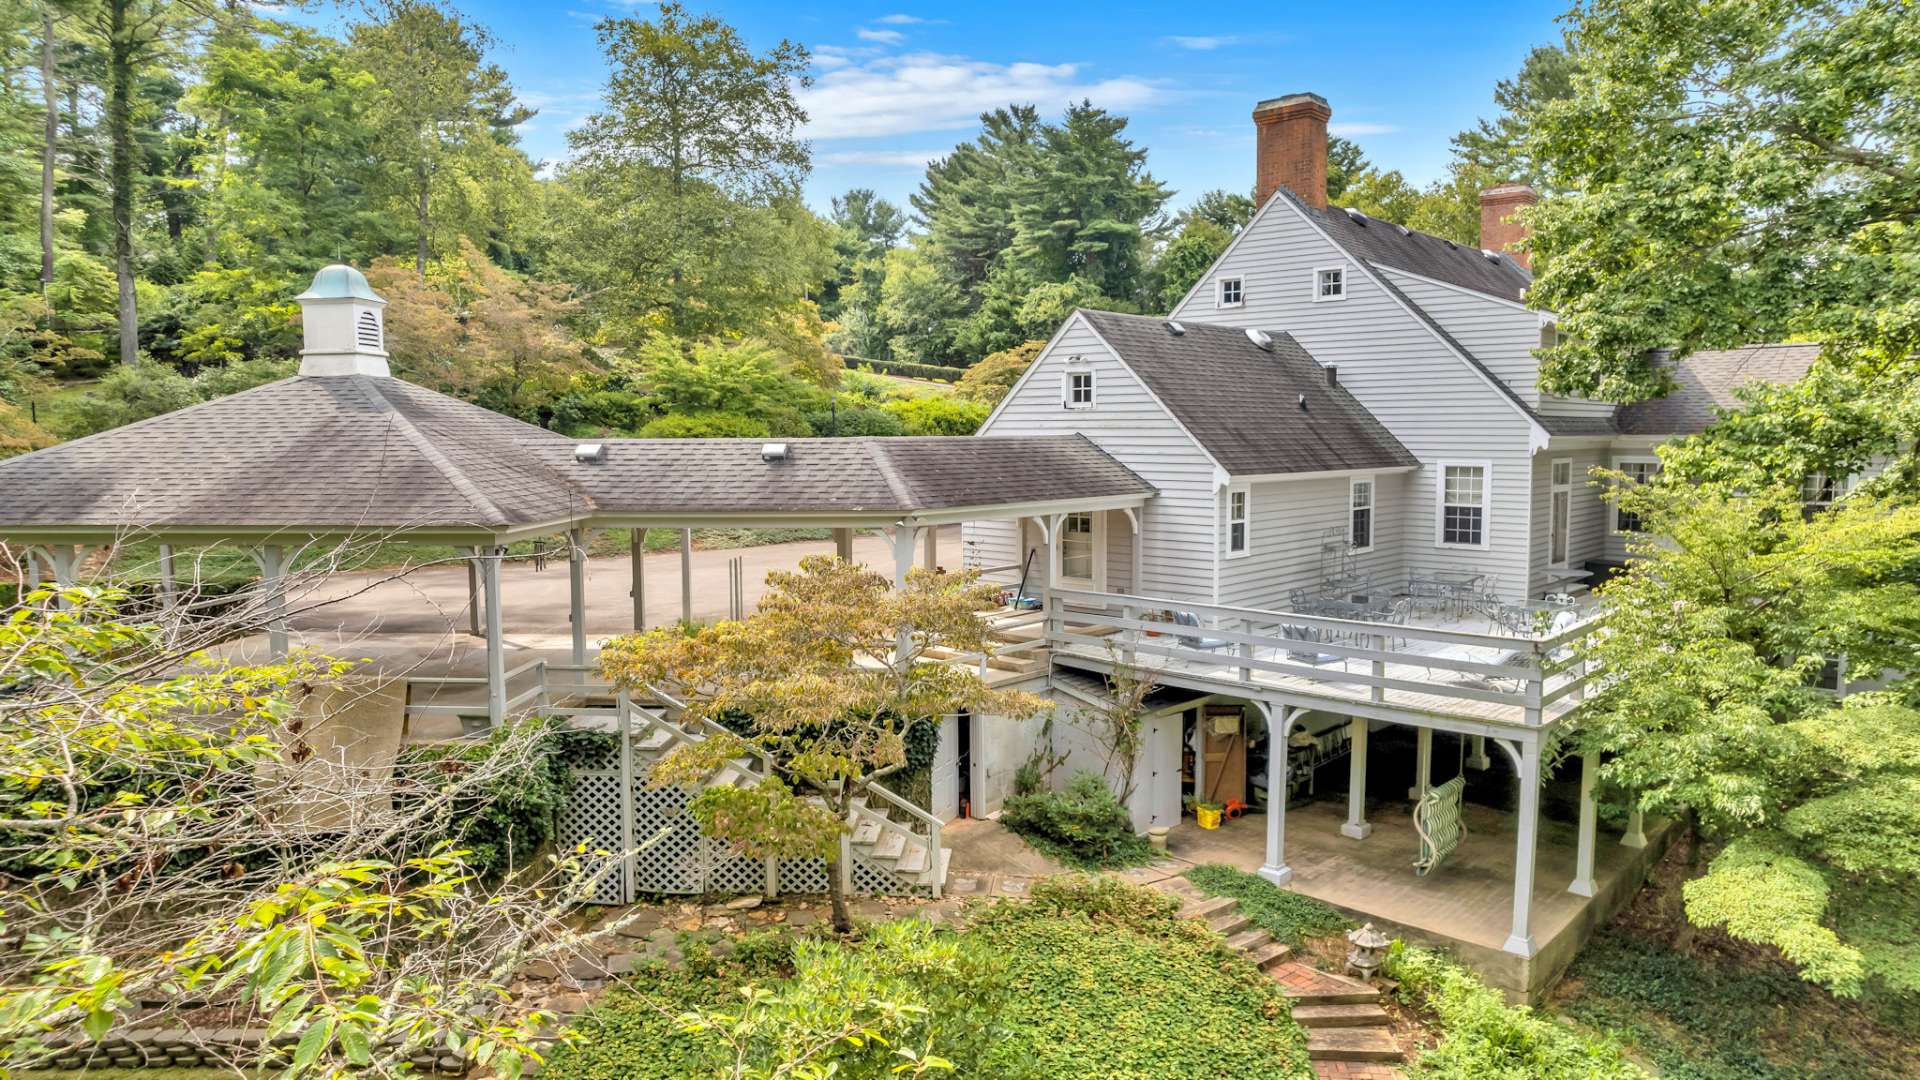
{"x":930,"y":558}
{"x":637,"y":549}
{"x":904,"y":537}
{"x":167,"y":589}
{"x":1526,"y":843}
{"x":1279,"y":720}
{"x":1477,"y":754}
{"x":686,"y":576}
{"x":1636,"y":834}
{"x":1422,"y":763}
{"x":1583,"y":884}
{"x":1139,"y":545}
{"x":63,"y":560}
{"x":489,"y":560}
{"x":577,"y":593}
{"x":473,"y":595}
{"x":1357,"y":826}
{"x":843,"y":544}
{"x":272,"y":560}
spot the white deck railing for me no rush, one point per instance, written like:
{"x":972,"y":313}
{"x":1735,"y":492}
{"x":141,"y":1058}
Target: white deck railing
{"x":1506,"y":678}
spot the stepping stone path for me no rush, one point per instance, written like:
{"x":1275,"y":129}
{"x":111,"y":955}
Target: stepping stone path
{"x":1349,"y":1035}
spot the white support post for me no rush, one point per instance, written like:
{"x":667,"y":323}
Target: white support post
{"x":1526,"y":843}
{"x":843,"y":544}
{"x":930,"y":557}
{"x":1200,"y":755}
{"x":1357,"y":826}
{"x":1139,"y":544}
{"x":629,"y":887}
{"x":1275,"y":869}
{"x":167,"y":590}
{"x":473,"y":595}
{"x":638,"y":552}
{"x":577,"y":593}
{"x":1636,"y":834}
{"x":904,"y":537}
{"x":489,"y":560}
{"x":272,"y":560}
{"x":1583,"y":884}
{"x":686,"y":576}
{"x":1477,"y":755}
{"x":1422,"y":764}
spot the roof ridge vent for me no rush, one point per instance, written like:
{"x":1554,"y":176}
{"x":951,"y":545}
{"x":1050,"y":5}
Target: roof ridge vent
{"x":1404,"y":231}
{"x":1492,"y":256}
{"x":772,"y":452}
{"x":1173,"y":327}
{"x":1359,"y":218}
{"x":589,"y":453}
{"x":1260,"y":338}
{"x":1451,"y":246}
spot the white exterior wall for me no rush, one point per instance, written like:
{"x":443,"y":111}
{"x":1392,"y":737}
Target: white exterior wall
{"x":1501,"y":336}
{"x":1290,"y":523}
{"x":1438,"y":406}
{"x":1156,"y":771}
{"x":1591,"y":533}
{"x":999,"y":747}
{"x":1178,"y":554}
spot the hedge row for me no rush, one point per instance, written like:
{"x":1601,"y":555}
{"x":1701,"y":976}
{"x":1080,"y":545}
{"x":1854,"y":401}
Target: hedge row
{"x":906,"y":370}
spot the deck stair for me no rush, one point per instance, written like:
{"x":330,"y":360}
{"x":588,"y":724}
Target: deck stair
{"x":1347,"y":1029}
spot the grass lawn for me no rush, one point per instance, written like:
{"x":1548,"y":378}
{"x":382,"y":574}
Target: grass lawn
{"x":1090,"y":979}
{"x":915,"y":387}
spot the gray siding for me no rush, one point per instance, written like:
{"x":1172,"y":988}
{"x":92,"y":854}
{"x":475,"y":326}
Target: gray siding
{"x":1501,"y":336}
{"x":1178,"y":544}
{"x":1591,"y":520}
{"x":1298,"y":537}
{"x":1438,"y":406}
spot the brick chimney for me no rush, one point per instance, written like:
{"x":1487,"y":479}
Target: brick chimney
{"x":1291,"y":148}
{"x":1498,"y":231}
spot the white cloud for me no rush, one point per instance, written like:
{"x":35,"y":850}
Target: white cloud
{"x":1201,"y":44}
{"x":906,"y":20}
{"x":898,"y":159}
{"x":884,"y":37}
{"x":1361,"y":129}
{"x":897,"y":95}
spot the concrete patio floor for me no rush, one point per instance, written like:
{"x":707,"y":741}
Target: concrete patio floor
{"x":1465,"y":905}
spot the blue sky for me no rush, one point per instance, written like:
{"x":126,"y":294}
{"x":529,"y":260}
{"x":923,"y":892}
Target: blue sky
{"x":899,"y":83}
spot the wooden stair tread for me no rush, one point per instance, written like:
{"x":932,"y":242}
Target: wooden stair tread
{"x":1271,"y":954}
{"x":913,"y":860}
{"x":1339,"y":1016}
{"x":1209,"y":907}
{"x":889,"y":845}
{"x":1229,"y":924}
{"x":867,"y":833}
{"x":1352,"y":1044}
{"x":1248,"y":940}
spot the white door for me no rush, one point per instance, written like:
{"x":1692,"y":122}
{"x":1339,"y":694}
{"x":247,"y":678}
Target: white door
{"x":1161,"y":749}
{"x":946,"y":770}
{"x":1560,"y":513}
{"x":1082,"y":551}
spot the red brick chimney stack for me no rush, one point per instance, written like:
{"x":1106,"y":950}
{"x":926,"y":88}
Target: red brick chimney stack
{"x":1291,"y":147}
{"x":1498,"y":229}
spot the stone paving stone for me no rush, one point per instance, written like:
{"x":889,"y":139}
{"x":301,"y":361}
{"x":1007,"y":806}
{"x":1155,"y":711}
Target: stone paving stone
{"x":1014,"y":886}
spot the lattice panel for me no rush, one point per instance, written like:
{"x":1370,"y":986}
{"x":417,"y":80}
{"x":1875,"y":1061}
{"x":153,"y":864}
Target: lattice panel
{"x":803,"y":875}
{"x":671,"y":858}
{"x":592,"y":817}
{"x":730,"y":872}
{"x":870,"y":880}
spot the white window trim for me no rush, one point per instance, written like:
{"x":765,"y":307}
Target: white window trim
{"x":1346,"y":280}
{"x":1226,"y":530}
{"x":1220,"y":292}
{"x":1097,"y":583}
{"x":1373,"y":513}
{"x":1440,"y":503}
{"x":1555,"y":488}
{"x":1078,"y":366}
{"x":1613,"y":511}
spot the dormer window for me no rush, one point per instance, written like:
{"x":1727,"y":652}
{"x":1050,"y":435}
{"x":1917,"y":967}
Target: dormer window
{"x":1233,"y":292}
{"x":1076,"y":392}
{"x":1330,"y":283}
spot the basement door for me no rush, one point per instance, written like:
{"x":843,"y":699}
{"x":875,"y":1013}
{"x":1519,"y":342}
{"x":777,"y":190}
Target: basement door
{"x":946,"y":770}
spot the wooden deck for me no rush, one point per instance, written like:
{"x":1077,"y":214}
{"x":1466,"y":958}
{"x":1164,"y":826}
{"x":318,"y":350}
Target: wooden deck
{"x":1442,"y":673}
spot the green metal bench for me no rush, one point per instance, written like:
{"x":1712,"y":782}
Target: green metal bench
{"x":1436,"y":817}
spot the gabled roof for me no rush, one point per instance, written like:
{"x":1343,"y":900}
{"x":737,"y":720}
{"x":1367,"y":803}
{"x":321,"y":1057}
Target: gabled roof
{"x":902,"y":475}
{"x":1707,"y":381}
{"x":1386,"y":244}
{"x":1243,"y":403}
{"x":356,"y":452}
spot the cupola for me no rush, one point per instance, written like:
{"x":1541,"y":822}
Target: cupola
{"x":343,"y":325}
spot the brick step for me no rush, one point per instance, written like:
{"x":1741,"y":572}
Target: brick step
{"x":1311,"y":986}
{"x":1352,"y":1044}
{"x":1339,"y":1016}
{"x":1270,"y":956}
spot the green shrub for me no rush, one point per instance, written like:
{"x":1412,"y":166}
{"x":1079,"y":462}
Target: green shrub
{"x":854,"y":422}
{"x":907,"y":370}
{"x":713,"y":425}
{"x":506,"y":825}
{"x":1083,"y":826}
{"x":1483,"y":1038}
{"x":125,"y":395}
{"x":1286,"y":915}
{"x":939,"y":415}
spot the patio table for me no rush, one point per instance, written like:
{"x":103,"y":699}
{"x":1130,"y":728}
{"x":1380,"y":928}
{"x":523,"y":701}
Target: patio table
{"x":1453,"y":588}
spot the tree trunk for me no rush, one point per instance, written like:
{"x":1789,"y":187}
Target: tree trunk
{"x":47,"y":145}
{"x":120,"y":55}
{"x":420,"y":219}
{"x":837,"y":897}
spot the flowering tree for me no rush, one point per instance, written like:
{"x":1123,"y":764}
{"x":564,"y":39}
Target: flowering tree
{"x":830,"y":678}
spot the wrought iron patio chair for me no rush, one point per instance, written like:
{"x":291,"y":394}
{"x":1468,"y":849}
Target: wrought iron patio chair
{"x":1195,"y":641}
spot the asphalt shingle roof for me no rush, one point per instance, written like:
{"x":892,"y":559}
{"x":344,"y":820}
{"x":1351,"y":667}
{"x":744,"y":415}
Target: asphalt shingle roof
{"x":1243,"y":403}
{"x":893,"y":475}
{"x":1387,"y":244}
{"x":359,"y":452}
{"x":1708,"y":380}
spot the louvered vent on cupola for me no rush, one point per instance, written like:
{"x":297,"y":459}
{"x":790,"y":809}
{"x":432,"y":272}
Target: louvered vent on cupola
{"x":367,"y":331}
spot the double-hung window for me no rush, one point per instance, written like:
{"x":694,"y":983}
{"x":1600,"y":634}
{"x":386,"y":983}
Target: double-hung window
{"x":1463,"y":506}
{"x":1819,"y":490}
{"x":1239,"y":538}
{"x":1360,"y":515}
{"x":1637,"y":471}
{"x":1078,"y":392}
